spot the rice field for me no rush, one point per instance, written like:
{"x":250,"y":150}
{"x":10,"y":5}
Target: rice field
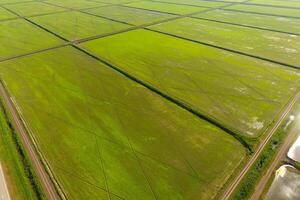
{"x":109,"y":119}
{"x":76,"y":25}
{"x":149,"y":99}
{"x":275,"y":23}
{"x":283,"y":48}
{"x":165,"y":7}
{"x":33,"y":8}
{"x":129,"y":15}
{"x":273,"y":11}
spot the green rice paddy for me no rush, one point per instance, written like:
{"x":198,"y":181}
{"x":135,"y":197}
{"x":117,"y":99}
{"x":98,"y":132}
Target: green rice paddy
{"x":275,"y":46}
{"x":197,"y":74}
{"x":167,"y":8}
{"x":157,"y":100}
{"x":20,"y":37}
{"x":291,"y":4}
{"x":4,"y":14}
{"x":33,"y":8}
{"x":96,"y":118}
{"x":75,"y":25}
{"x":275,"y":11}
{"x":200,"y":3}
{"x":282,"y":24}
{"x":78,"y":4}
{"x":129,"y":15}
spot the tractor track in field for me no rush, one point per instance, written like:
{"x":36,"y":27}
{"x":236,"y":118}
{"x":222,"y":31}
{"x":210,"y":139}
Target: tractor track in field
{"x":234,"y":184}
{"x":45,"y":180}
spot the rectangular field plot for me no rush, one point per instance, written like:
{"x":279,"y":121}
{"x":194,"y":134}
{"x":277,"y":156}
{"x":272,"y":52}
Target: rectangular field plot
{"x":275,"y":11}
{"x":129,"y":15}
{"x":166,"y":8}
{"x":284,"y":48}
{"x":33,"y":8}
{"x":19,"y":37}
{"x":75,"y":25}
{"x":240,"y":92}
{"x":196,"y":3}
{"x":4,"y":14}
{"x":78,"y":4}
{"x":290,"y":25}
{"x":108,"y":133}
{"x":292,"y":4}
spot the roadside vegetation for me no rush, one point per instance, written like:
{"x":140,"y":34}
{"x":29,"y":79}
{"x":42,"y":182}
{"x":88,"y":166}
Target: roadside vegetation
{"x":247,"y":185}
{"x":21,"y":178}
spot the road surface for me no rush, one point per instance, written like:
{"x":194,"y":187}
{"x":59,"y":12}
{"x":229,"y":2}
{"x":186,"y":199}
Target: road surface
{"x":281,"y":155}
{"x":43,"y":176}
{"x":4,"y":195}
{"x":231,"y":188}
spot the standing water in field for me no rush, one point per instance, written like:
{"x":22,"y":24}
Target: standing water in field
{"x":286,"y":184}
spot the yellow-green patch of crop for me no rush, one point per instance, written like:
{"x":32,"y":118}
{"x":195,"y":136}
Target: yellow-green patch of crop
{"x":288,"y":12}
{"x":78,"y":4}
{"x":292,"y":4}
{"x":105,"y":135}
{"x":33,"y":8}
{"x":197,"y":3}
{"x":4,"y":14}
{"x":129,"y":15}
{"x":241,"y":92}
{"x":165,"y":7}
{"x":284,"y":48}
{"x":75,"y":25}
{"x":290,"y":25}
{"x":18,"y":37}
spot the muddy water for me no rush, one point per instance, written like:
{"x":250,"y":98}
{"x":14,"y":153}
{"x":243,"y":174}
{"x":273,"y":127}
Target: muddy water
{"x":286,"y":184}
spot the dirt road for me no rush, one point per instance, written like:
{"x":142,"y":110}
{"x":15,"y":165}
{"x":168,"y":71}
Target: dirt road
{"x":229,"y":191}
{"x":281,"y":155}
{"x":45,"y":180}
{"x":4,"y":195}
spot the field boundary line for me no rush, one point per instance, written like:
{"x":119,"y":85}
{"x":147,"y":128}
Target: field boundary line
{"x":33,"y":53}
{"x":272,"y":6}
{"x":234,"y":184}
{"x":45,"y":14}
{"x":185,"y":4}
{"x":244,"y":25}
{"x":227,"y":49}
{"x":176,"y":101}
{"x":266,"y":14}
